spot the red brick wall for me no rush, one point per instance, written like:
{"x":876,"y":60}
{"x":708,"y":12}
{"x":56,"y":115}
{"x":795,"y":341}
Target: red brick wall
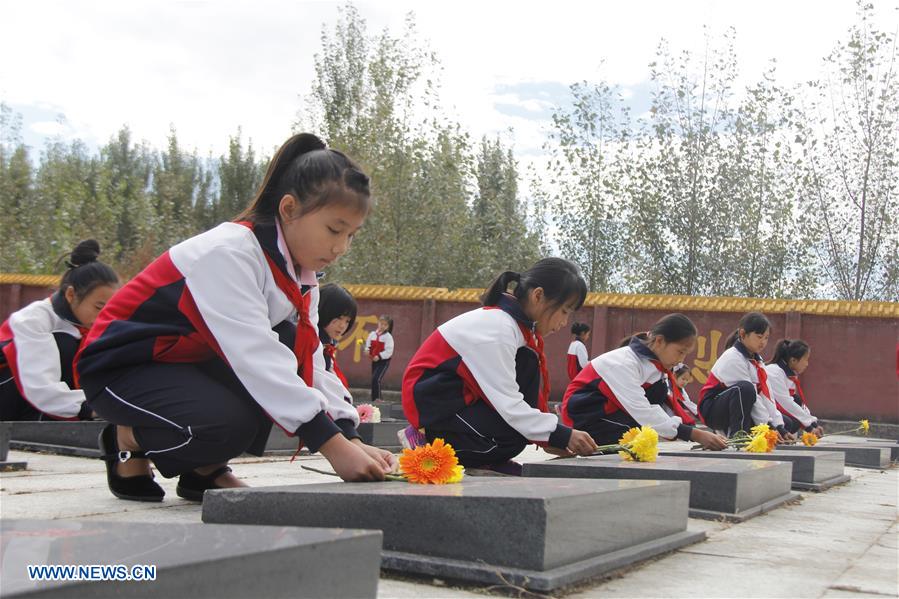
{"x":852,"y":373}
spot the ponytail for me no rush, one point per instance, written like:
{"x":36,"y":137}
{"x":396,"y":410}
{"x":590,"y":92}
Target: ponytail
{"x":625,"y":341}
{"x":560,"y":280}
{"x":85,"y":272}
{"x":752,"y":322}
{"x":316,"y":176}
{"x":787,"y":349}
{"x":500,"y":286}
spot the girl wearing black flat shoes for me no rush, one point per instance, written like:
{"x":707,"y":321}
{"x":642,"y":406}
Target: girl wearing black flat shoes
{"x":197,"y":356}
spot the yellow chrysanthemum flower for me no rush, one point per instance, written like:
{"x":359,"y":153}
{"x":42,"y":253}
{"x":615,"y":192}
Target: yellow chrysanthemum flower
{"x":759,"y":444}
{"x":642,"y":442}
{"x":809,"y":439}
{"x":458,"y":474}
{"x":646,"y":444}
{"x":435,"y":463}
{"x":759,"y":428}
{"x":626,"y":439}
{"x":865,"y":426}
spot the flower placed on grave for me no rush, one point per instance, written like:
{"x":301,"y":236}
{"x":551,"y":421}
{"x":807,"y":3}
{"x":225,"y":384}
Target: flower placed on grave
{"x":758,"y":444}
{"x":365,"y":410}
{"x":435,"y":463}
{"x":637,"y":444}
{"x":771,"y":438}
{"x":809,"y":439}
{"x":375,"y":414}
{"x":759,"y":428}
{"x":863,"y":427}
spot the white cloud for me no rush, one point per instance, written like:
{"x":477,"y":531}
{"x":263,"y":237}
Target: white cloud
{"x":209,"y":67}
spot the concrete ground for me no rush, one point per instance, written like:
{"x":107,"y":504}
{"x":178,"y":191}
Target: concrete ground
{"x":840,"y":543}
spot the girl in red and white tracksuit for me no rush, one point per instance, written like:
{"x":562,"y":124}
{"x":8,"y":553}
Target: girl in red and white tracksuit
{"x":682,"y":378}
{"x":736,"y":396}
{"x":336,"y":315}
{"x":629,"y":387}
{"x":379,"y":348}
{"x":577,"y":350}
{"x":38,"y":343}
{"x":200,"y":353}
{"x":480,"y":380}
{"x":790,"y":359}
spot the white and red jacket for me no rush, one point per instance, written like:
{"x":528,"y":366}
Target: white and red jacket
{"x":30,"y":357}
{"x":380,"y":345}
{"x":577,"y":358}
{"x":477,"y":356}
{"x":738,"y":364}
{"x":787,"y":392}
{"x":221,"y":293}
{"x":329,"y":355}
{"x":631,"y":379}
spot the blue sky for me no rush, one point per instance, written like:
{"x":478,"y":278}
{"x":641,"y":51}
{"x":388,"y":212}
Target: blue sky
{"x":84,"y":69}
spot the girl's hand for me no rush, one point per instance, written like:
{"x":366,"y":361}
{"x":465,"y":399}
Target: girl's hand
{"x":376,"y":358}
{"x":786,"y":439}
{"x":562,"y":453}
{"x":351,"y":463}
{"x":384,"y":458}
{"x":708,"y":440}
{"x":819,"y":431}
{"x":581,"y":443}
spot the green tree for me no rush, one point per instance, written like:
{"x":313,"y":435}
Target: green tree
{"x":586,"y":153}
{"x":850,"y":192}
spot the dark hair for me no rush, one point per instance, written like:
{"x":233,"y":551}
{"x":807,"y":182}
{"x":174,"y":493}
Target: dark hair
{"x":680,"y":369}
{"x":579,"y":328}
{"x":314,"y":174}
{"x":560,"y":279}
{"x":787,"y":348}
{"x":625,"y":341}
{"x":335,"y":301}
{"x":752,"y":322}
{"x":673,"y":328}
{"x":389,"y":321}
{"x":85,"y":273}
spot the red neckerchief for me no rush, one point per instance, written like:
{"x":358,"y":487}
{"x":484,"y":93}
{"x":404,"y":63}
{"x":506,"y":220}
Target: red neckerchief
{"x":795,"y":380}
{"x":535,"y":341}
{"x":675,"y":398}
{"x":307,"y":336}
{"x":331,"y":351}
{"x":763,"y":376}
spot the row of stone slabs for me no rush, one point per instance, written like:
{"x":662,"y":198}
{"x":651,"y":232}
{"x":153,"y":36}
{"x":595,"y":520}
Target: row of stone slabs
{"x":530,"y":531}
{"x":80,"y":438}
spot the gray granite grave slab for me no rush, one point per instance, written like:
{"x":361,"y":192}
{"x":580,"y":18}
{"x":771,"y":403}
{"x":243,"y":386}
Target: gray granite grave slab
{"x":81,"y":434}
{"x":382,"y":434}
{"x":858,"y":455}
{"x":537,"y":533}
{"x":192,"y":560}
{"x":731,"y":489}
{"x":811,"y":471}
{"x":893,"y":446}
{"x":7,"y":466}
{"x":4,"y":440}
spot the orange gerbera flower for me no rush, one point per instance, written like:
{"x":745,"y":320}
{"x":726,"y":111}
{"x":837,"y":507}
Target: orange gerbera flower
{"x":435,"y":463}
{"x":771,"y":438}
{"x":809,"y":439}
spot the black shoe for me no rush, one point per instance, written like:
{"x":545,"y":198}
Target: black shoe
{"x":192,"y":485}
{"x":132,"y":488}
